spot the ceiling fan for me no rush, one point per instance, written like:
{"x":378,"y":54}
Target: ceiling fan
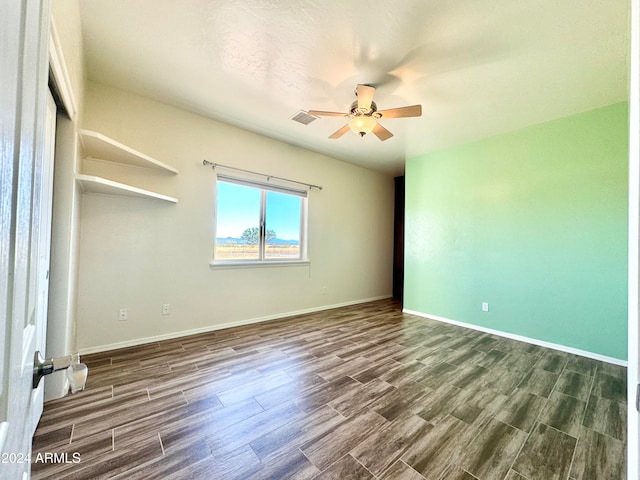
{"x":364,"y":114}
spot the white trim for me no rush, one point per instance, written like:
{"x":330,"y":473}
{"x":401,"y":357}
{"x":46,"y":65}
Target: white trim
{"x":221,"y":264}
{"x":212,"y":328}
{"x":60,"y":73}
{"x":520,"y":338}
{"x":28,"y":343}
{"x":4,"y":429}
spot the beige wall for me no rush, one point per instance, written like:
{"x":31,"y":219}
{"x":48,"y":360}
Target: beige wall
{"x":139,"y":254}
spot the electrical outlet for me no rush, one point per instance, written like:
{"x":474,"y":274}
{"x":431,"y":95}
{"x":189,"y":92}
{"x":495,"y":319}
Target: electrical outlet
{"x":165,"y":309}
{"x":123,"y":314}
{"x":324,"y":290}
{"x":485,"y":306}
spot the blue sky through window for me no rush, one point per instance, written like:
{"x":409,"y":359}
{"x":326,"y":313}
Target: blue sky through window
{"x":239,"y":209}
{"x":283,"y":215}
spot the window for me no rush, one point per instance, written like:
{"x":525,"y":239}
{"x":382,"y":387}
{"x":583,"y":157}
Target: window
{"x":258,"y":222}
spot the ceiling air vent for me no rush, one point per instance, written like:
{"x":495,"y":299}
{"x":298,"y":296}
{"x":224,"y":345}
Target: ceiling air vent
{"x":303,"y":117}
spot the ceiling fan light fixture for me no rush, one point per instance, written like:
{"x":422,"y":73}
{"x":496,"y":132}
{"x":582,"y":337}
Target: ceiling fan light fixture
{"x":362,"y":125}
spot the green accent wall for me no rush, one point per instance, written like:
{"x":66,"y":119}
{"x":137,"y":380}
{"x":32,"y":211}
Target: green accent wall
{"x":534,"y":222}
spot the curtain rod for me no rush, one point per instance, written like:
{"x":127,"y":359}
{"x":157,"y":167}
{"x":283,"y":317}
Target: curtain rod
{"x":214,"y":165}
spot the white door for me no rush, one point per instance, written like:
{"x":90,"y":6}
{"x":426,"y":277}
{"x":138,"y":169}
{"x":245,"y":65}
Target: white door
{"x":24,"y":182}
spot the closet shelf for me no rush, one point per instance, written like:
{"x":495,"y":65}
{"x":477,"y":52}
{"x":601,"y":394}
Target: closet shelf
{"x":98,"y":146}
{"x":103,"y":186}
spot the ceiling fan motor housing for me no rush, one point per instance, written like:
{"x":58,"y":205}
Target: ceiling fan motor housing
{"x":361,"y":112}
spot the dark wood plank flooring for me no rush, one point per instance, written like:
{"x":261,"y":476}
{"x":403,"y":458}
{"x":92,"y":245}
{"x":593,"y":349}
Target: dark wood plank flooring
{"x":361,"y":392}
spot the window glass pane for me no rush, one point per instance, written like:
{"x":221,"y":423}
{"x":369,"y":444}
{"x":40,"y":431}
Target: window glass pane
{"x":238,"y":222}
{"x":282,"y":226}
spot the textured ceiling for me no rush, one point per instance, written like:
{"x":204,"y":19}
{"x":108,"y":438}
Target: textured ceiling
{"x":478,"y":67}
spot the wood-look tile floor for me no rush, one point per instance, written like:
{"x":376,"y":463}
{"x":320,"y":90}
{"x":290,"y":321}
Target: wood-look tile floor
{"x":361,"y":392}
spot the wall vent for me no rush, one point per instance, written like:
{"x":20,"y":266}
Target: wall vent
{"x":303,"y":117}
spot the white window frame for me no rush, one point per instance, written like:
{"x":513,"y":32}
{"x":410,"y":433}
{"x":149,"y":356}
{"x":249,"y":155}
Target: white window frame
{"x":261,"y":261}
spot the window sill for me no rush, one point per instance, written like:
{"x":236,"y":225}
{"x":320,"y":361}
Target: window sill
{"x":264,"y":264}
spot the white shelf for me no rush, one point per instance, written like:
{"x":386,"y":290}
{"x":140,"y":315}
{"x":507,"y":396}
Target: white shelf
{"x":98,"y":146}
{"x":102,"y":186}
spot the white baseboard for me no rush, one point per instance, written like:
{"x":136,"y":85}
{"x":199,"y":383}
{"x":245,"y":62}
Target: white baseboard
{"x":221,"y":326}
{"x":554,"y":346}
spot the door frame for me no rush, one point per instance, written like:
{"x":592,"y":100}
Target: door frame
{"x":66,"y":213}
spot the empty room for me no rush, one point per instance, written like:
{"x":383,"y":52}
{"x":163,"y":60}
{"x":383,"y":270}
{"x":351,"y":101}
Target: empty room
{"x":325,"y":240}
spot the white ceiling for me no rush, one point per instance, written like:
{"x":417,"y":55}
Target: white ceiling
{"x":478,"y":67}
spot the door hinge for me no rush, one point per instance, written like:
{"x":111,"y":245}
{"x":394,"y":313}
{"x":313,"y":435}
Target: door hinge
{"x":638,"y":397}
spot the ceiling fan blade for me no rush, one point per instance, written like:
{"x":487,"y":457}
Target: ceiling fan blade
{"x":339,"y":133}
{"x":381,"y":132}
{"x":365,"y":96}
{"x":320,"y":113}
{"x":411,"y":111}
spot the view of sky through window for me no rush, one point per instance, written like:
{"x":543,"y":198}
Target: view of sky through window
{"x":240,"y":210}
{"x":283,"y":215}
